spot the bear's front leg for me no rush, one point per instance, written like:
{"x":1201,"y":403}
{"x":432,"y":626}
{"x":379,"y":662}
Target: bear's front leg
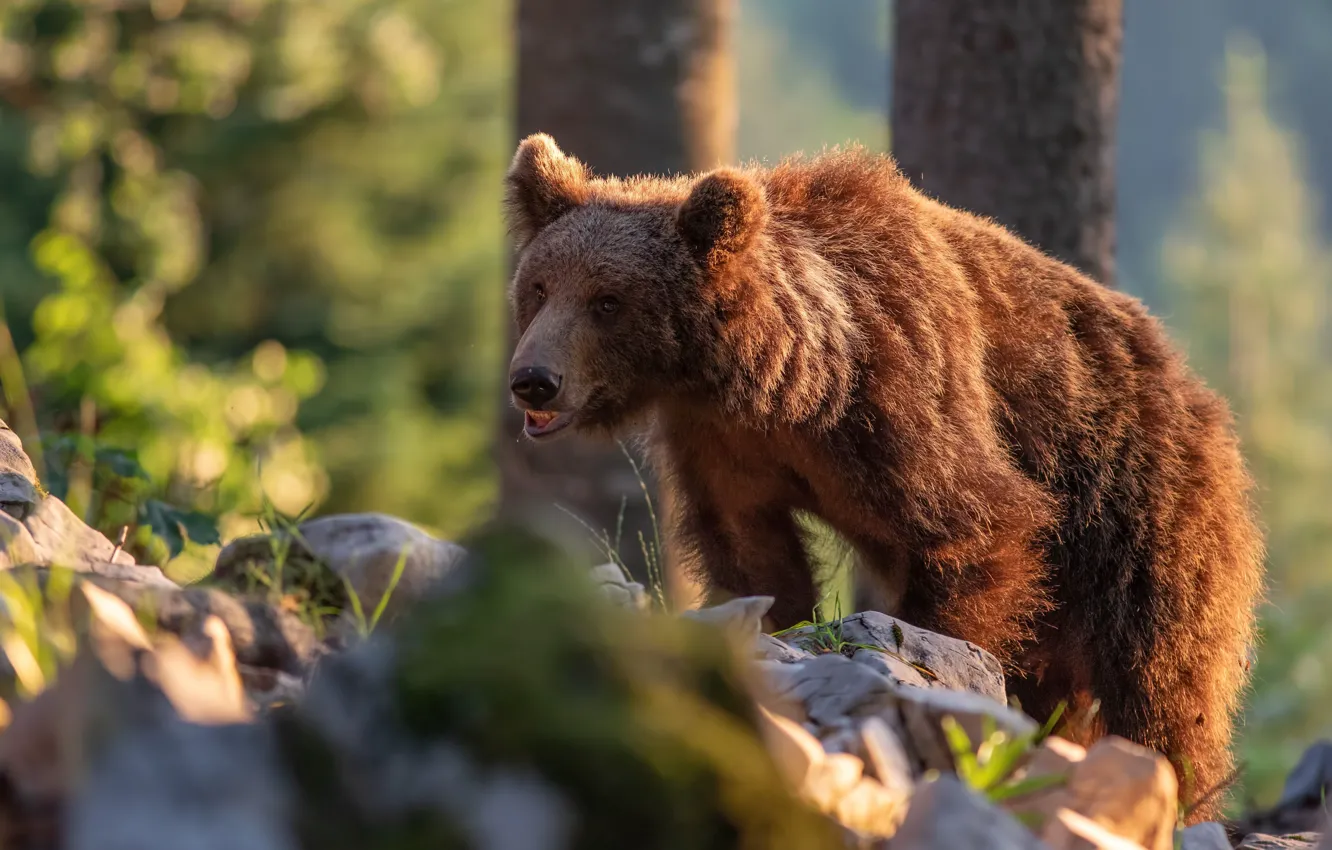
{"x":752,"y":551}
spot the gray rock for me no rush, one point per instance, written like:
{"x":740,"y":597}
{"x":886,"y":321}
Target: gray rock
{"x":64,"y":540}
{"x":1299,"y":841}
{"x":16,"y":543}
{"x":18,"y":479}
{"x":619,"y":588}
{"x":771,"y":649}
{"x":179,"y":786}
{"x":922,"y":712}
{"x":1205,"y":836}
{"x":910,"y":655}
{"x":832,"y":688}
{"x":364,"y":549}
{"x":262,"y":635}
{"x":742,"y":617}
{"x":946,"y":814}
{"x":1310,"y":781}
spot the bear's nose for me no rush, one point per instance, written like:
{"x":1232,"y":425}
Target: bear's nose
{"x":534,"y":385}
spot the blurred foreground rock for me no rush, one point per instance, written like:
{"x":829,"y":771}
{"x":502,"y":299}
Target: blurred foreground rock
{"x":510,"y":700}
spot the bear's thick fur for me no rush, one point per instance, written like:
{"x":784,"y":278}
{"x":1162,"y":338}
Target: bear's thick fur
{"x":1015,"y":448}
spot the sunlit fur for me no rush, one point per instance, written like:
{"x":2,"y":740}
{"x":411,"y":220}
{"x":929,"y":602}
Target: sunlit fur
{"x":1016,"y":446}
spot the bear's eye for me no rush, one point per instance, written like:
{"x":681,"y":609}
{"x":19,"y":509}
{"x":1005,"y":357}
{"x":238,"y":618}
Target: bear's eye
{"x":608,"y":304}
{"x":540,"y":292}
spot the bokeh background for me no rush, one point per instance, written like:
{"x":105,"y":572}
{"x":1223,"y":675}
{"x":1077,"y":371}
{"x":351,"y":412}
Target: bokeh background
{"x":252,"y":257}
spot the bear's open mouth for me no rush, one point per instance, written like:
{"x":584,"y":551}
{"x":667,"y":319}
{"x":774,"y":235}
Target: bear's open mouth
{"x":543,"y":423}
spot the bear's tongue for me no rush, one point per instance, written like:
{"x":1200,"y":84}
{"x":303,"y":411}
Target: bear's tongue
{"x":541,"y":418}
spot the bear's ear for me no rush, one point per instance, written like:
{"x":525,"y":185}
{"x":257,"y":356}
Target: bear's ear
{"x":721,"y":217}
{"x":542,"y":185}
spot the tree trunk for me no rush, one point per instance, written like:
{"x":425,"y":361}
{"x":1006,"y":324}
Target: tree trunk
{"x":628,"y":87}
{"x":1007,"y":108}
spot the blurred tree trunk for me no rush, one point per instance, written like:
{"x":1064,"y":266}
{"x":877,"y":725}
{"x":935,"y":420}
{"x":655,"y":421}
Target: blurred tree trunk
{"x":627,"y":86}
{"x":1007,"y":108}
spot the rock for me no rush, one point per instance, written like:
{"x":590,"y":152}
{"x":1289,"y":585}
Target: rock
{"x":1298,"y":841}
{"x":1129,"y":790}
{"x":1071,"y":831}
{"x":741,"y":617}
{"x":64,"y":540}
{"x":796,"y":752}
{"x":1055,"y":757}
{"x":172,"y":784}
{"x":16,"y":543}
{"x":871,"y":810}
{"x":1204,"y":836}
{"x":886,"y":756}
{"x":1310,"y":782}
{"x":770,"y":648}
{"x":832,"y":687}
{"x":946,"y":815}
{"x":18,"y":480}
{"x":364,"y":549}
{"x":261,"y":634}
{"x":619,"y":588}
{"x":910,"y":655}
{"x":922,"y":712}
{"x":831,"y":779}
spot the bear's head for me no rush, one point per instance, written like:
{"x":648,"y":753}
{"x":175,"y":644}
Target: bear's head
{"x":620,"y":285}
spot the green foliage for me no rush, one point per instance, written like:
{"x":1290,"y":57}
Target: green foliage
{"x":643,"y":723}
{"x":36,"y":632}
{"x":111,"y":490}
{"x":990,"y":768}
{"x":200,"y":179}
{"x":1250,"y":279}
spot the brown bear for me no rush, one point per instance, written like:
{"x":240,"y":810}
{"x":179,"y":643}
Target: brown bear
{"x":1015,"y":448}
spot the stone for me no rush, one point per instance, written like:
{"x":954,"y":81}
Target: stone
{"x":831,"y":779}
{"x":946,"y":815}
{"x":742,"y":617}
{"x":619,"y":588}
{"x":1055,"y":757}
{"x":1204,"y":836}
{"x":1295,"y":841}
{"x":911,"y":655}
{"x":1310,"y":782}
{"x":364,"y":549}
{"x":1128,"y":789}
{"x":64,"y":540}
{"x":922,"y":712}
{"x":886,"y":756}
{"x":1069,"y":830}
{"x":18,"y":480}
{"x":171,"y":784}
{"x":795,"y":751}
{"x":16,"y":543}
{"x":871,"y":810}
{"x":770,"y":648}
{"x":832,"y":687}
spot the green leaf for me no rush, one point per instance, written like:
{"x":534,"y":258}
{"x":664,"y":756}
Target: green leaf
{"x":175,"y":525}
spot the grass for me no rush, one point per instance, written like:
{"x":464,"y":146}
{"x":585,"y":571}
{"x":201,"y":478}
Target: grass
{"x":611,"y":548}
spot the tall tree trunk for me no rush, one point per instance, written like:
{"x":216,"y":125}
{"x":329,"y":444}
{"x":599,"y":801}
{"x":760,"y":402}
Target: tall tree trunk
{"x":627,"y":86}
{"x":1007,"y":108}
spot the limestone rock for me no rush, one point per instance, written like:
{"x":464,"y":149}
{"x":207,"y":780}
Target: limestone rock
{"x":18,"y":479}
{"x":1310,"y":782}
{"x":910,"y":655}
{"x":886,"y":756}
{"x":612,"y":581}
{"x":1297,"y":841}
{"x":364,"y":549}
{"x":1205,"y":836}
{"x":922,"y":712}
{"x":945,"y":813}
{"x":741,"y":617}
{"x":797,"y":753}
{"x":770,"y":648}
{"x":1055,"y":757}
{"x":65,"y":540}
{"x":1071,"y":831}
{"x":832,"y":687}
{"x":1129,"y":790}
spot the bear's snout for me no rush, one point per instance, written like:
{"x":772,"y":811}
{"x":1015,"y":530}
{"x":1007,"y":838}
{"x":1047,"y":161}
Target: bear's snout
{"x":534,"y":385}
